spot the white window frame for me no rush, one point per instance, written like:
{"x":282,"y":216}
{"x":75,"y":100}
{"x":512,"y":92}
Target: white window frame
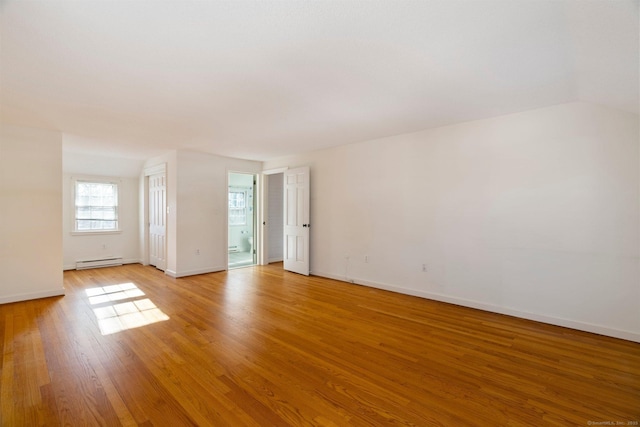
{"x":234,"y":210}
{"x":94,"y":180}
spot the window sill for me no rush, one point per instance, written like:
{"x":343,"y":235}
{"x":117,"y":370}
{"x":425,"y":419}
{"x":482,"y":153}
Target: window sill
{"x":95,"y":232}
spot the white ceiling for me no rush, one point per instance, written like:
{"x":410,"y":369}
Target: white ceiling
{"x":262,"y":79}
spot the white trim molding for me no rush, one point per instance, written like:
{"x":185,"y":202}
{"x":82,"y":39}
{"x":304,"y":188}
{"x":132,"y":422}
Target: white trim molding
{"x":176,"y":275}
{"x":32,"y":296}
{"x":152,"y":170}
{"x":275,"y":171}
{"x":566,"y":323}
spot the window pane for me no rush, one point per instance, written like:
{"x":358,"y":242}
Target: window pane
{"x":96,"y":206}
{"x":83,"y":213}
{"x":236,"y":199}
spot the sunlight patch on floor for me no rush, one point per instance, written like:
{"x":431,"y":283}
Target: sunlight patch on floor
{"x":116,"y":317}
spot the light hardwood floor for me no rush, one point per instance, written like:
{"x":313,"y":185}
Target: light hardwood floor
{"x":263,"y":347}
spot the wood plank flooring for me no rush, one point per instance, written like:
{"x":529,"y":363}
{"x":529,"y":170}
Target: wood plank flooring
{"x":263,"y":347}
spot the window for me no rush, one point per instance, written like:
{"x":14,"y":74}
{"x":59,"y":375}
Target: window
{"x":96,"y":206}
{"x":237,"y":208}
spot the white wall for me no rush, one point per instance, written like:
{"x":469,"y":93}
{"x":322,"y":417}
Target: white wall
{"x":30,"y":213}
{"x":93,"y":246}
{"x":533,"y":214}
{"x":197,"y":194}
{"x":100,"y":245}
{"x":99,"y":165}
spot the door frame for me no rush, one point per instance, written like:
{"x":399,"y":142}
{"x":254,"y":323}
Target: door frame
{"x":153,"y":170}
{"x":263,"y":242}
{"x":257,"y":211}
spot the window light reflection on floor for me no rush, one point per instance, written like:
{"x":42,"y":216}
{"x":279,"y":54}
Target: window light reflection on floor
{"x":116,"y":317}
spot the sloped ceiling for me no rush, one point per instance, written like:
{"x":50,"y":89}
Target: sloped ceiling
{"x":262,"y":79}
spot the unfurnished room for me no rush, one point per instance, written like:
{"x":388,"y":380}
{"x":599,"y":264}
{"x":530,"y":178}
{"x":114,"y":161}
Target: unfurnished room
{"x":319,"y":213}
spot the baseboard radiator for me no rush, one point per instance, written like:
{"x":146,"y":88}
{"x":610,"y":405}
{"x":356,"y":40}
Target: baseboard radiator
{"x":96,"y":263}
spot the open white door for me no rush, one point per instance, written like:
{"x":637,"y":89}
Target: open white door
{"x":296,"y":220}
{"x":157,"y":220}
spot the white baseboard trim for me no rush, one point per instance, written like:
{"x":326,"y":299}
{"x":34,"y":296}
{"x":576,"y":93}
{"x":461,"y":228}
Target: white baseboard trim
{"x":33,"y":295}
{"x":175,"y":274}
{"x":275,"y":260}
{"x":557,"y":321}
{"x":124,"y":261}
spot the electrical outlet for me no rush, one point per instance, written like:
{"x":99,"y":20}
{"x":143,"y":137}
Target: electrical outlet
{"x":424,"y":268}
{"x":366,"y":259}
{"x":197,"y":251}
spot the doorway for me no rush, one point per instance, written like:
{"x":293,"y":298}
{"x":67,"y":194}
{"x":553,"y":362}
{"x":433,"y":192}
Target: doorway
{"x":286,"y":218}
{"x":241,"y":220}
{"x":274,"y":218}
